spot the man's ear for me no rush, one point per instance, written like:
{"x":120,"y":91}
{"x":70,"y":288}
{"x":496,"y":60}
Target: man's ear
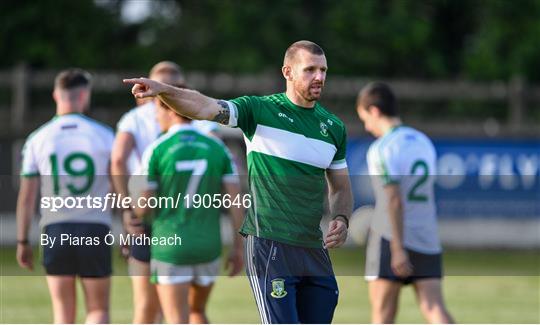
{"x":374,"y":110}
{"x":171,"y":114}
{"x":84,"y":94}
{"x":287,"y":72}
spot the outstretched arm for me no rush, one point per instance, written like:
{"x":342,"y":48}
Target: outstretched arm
{"x":186,"y":102}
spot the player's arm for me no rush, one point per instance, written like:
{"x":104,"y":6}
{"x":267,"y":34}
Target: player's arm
{"x":142,"y":188}
{"x":235,"y":260}
{"x":121,"y":150}
{"x":186,"y":102}
{"x":123,"y":145}
{"x":340,"y":206}
{"x":400,"y":260}
{"x":141,"y":211}
{"x":26,"y":203}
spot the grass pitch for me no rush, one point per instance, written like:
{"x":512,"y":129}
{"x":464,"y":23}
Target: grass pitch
{"x":479,"y":287}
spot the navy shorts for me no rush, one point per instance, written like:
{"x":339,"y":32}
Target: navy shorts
{"x":378,"y":262}
{"x":83,"y":252}
{"x":291,"y":284}
{"x":141,"y":252}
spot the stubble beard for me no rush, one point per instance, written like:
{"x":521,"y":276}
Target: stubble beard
{"x":310,"y":96}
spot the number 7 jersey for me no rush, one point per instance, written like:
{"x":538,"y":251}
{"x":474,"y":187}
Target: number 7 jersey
{"x":71,"y":155}
{"x":406,"y":157}
{"x":187,"y":169}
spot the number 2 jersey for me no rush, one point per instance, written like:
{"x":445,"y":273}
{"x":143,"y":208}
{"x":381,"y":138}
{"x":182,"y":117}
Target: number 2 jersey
{"x":71,"y":155}
{"x":406,"y":157}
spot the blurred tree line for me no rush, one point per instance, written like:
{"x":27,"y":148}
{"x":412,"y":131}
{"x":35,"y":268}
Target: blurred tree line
{"x":428,"y":39}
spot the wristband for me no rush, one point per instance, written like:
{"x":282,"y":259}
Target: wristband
{"x":22,"y":241}
{"x":344,"y":218}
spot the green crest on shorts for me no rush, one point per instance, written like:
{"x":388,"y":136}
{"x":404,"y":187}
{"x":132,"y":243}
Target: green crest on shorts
{"x":278,"y":288}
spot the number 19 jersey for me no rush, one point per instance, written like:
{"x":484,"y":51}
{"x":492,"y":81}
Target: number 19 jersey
{"x":71,"y":155}
{"x":406,"y":157}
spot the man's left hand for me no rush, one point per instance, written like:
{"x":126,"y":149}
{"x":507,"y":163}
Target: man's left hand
{"x":337,"y":234}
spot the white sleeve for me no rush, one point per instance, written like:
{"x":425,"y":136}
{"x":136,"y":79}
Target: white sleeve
{"x":390,"y":165}
{"x":138,"y":182}
{"x":127,"y":123}
{"x":338,"y":164}
{"x":29,"y":166}
{"x":233,"y":113}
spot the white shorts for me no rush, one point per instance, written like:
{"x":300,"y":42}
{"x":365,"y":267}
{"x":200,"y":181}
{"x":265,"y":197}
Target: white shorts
{"x":201,"y":274}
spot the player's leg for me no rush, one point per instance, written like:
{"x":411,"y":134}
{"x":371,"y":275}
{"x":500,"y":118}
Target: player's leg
{"x":63,"y":296}
{"x":146,"y":308}
{"x":384,"y":298}
{"x":317,"y":293}
{"x":61,"y":270}
{"x":431,"y":301}
{"x":383,"y":285}
{"x":204,"y":276}
{"x":94,"y":266}
{"x":172,"y":284}
{"x":173,"y":298}
{"x":274,"y":289}
{"x":198,"y":298}
{"x":427,"y":284}
{"x":317,"y":299}
{"x":96,"y":294}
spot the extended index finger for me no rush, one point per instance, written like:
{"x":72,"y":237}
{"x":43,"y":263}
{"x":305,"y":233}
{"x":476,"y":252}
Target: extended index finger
{"x":133,"y":81}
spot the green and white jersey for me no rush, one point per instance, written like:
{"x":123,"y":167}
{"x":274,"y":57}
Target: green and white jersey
{"x":406,"y":157}
{"x":183,"y":163}
{"x":71,"y":155}
{"x":289,"y":148}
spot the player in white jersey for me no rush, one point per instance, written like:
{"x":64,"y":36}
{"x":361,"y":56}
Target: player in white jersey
{"x":68,"y":159}
{"x":137,"y":129}
{"x":403,"y":245}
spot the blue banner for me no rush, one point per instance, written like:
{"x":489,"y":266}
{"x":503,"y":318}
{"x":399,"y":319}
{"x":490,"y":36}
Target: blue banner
{"x":475,"y":178}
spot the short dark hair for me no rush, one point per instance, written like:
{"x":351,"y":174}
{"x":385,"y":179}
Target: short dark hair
{"x":72,"y":78}
{"x":380,"y":95}
{"x":302,"y":45}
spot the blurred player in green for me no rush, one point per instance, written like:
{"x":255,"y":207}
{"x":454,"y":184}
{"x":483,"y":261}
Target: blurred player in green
{"x":69,"y":158}
{"x":136,"y":130}
{"x":403,"y":245}
{"x":188,"y":163}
